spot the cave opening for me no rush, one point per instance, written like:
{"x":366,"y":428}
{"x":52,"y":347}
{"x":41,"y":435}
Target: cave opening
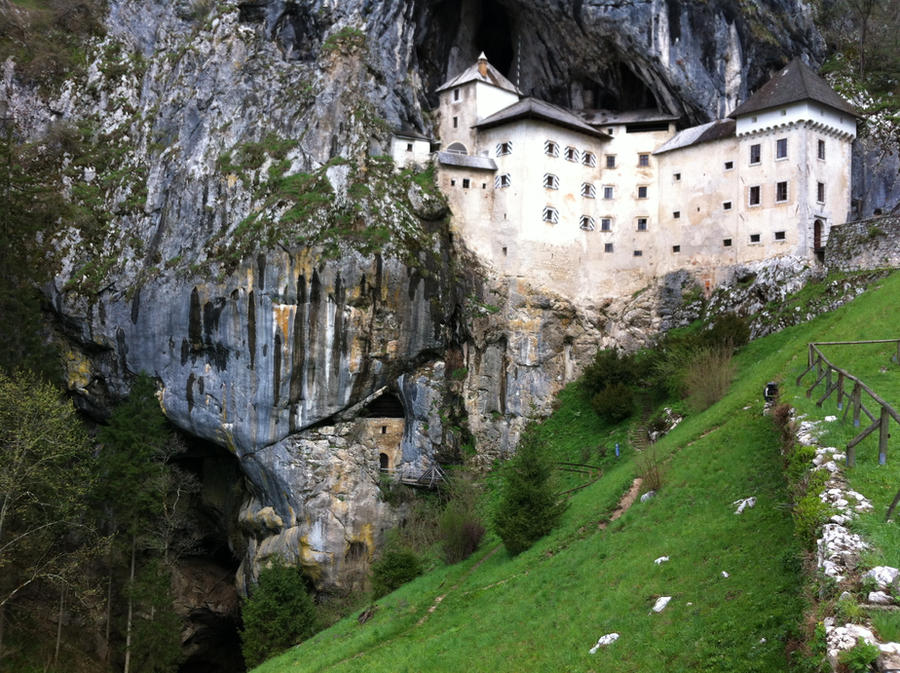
{"x":494,"y":36}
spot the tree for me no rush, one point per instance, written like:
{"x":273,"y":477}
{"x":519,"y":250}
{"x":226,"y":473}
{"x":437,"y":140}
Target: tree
{"x":278,"y":614}
{"x":528,"y":508}
{"x":46,"y":470}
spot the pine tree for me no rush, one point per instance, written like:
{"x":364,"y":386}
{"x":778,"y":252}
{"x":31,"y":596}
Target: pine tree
{"x":528,"y":507}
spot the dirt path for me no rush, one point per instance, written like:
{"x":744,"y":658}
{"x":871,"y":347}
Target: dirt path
{"x":625,"y":502}
{"x":437,"y":601}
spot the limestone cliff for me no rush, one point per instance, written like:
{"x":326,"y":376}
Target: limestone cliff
{"x":244,"y":240}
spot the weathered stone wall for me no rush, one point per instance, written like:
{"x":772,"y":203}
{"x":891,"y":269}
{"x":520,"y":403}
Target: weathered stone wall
{"x":867,"y":244}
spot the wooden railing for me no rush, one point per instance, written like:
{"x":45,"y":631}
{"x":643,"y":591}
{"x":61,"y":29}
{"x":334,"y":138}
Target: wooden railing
{"x":836,"y":379}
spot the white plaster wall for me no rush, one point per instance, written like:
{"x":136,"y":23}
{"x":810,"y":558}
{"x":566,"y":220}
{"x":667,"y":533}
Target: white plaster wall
{"x":490,"y":99}
{"x":420,"y":153}
{"x":794,"y":113}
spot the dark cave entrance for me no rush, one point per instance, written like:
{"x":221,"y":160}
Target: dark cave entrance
{"x":494,"y":36}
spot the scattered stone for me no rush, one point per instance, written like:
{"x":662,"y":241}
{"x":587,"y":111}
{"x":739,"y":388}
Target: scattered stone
{"x":840,"y":638}
{"x":830,"y":419}
{"x":838,"y":550}
{"x":762,"y":640}
{"x":880,"y":598}
{"x":661,"y":560}
{"x":647,"y":496}
{"x":725,"y":574}
{"x":661,"y":603}
{"x":745,"y":503}
{"x":608,"y":639}
{"x":890,"y":657}
{"x":884,"y":576}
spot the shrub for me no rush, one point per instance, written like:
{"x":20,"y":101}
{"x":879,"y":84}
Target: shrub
{"x":461,"y":532}
{"x":397,"y":566}
{"x":729,"y":330}
{"x":278,"y":614}
{"x":610,"y":366}
{"x":860,"y":657}
{"x":614,"y":403}
{"x":528,"y":508}
{"x":650,"y":472}
{"x":707,"y":377}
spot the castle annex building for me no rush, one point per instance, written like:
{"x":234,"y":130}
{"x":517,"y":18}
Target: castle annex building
{"x":594,"y":204}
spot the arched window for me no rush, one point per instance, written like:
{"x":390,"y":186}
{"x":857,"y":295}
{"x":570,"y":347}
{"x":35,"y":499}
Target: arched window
{"x":502,"y":180}
{"x":550,"y":215}
{"x":551,"y":181}
{"x":457,"y":148}
{"x":384,"y":462}
{"x":588,"y":190}
{"x":586,"y":223}
{"x":551,"y":148}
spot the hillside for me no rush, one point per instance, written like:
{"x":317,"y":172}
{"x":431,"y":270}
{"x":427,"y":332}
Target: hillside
{"x":546,"y":608}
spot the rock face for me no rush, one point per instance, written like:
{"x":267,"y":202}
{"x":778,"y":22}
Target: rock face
{"x":252,"y":251}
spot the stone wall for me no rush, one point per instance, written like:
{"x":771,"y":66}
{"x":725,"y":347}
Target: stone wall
{"x":867,"y":244}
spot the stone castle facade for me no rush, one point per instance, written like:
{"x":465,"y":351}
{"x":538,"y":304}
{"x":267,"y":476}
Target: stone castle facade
{"x":597,"y":204}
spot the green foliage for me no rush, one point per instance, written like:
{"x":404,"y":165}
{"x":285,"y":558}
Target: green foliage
{"x":609,"y":367}
{"x":614,"y":403}
{"x":728,"y":330}
{"x":860,"y":657}
{"x":345,"y":40}
{"x":528,"y":508}
{"x":707,"y":376}
{"x":397,"y":566}
{"x":459,"y":526}
{"x":848,"y":610}
{"x":279,"y":613}
{"x":157,"y":636}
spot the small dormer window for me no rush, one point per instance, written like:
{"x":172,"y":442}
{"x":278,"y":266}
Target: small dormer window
{"x":571,"y":154}
{"x":550,"y":215}
{"x":586,"y":223}
{"x":589,"y":158}
{"x":551,"y":149}
{"x":504,"y":149}
{"x":588,"y":190}
{"x":502,"y":181}
{"x":551,"y":181}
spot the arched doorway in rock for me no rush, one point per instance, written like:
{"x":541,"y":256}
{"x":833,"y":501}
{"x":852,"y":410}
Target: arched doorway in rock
{"x":818,"y":246}
{"x":384,"y":462}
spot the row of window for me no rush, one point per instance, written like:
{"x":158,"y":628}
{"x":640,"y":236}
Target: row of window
{"x":588,"y":223}
{"x":781,"y":151}
{"x":573,"y":154}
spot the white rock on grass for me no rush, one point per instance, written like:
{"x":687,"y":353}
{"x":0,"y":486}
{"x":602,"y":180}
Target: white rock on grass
{"x":830,"y":419}
{"x":661,"y":603}
{"x":661,"y":560}
{"x":744,"y":503}
{"x":840,"y":638}
{"x":725,"y":574}
{"x":890,"y":657}
{"x":647,"y":496}
{"x":880,"y":598}
{"x":884,"y":576}
{"x":608,"y":639}
{"x":838,"y":550}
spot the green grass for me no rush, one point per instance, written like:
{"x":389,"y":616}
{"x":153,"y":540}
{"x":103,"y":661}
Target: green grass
{"x":544,"y":609}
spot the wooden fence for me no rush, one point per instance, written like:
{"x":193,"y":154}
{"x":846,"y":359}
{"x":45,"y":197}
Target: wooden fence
{"x":837,"y":380}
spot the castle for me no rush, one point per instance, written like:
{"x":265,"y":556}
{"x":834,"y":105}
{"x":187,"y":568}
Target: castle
{"x":597,"y":203}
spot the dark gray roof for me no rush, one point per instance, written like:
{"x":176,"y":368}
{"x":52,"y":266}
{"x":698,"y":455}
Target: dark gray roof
{"x":473,"y":74}
{"x":721,"y":128}
{"x":409,"y":132}
{"x":796,"y":82}
{"x":466,"y":161}
{"x":601,"y":117}
{"x":532,"y":108}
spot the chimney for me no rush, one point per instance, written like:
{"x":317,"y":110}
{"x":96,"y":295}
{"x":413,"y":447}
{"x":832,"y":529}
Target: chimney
{"x":482,"y":64}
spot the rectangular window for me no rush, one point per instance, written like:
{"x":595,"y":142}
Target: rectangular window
{"x":754,"y":238}
{"x":642,"y":224}
{"x":755,"y":154}
{"x":726,"y":205}
{"x":820,"y":192}
{"x":638,"y":253}
{"x":779,"y":236}
{"x":571,"y":154}
{"x":456,"y":122}
{"x":456,"y":94}
{"x":642,"y":192}
{"x":753,"y":197}
{"x":465,"y":183}
{"x":586,"y":223}
{"x":821,"y":150}
{"x":502,"y":181}
{"x":781,"y":192}
{"x":607,"y":247}
{"x":605,"y":224}
{"x":676,"y":214}
{"x":409,"y":147}
{"x":551,"y":181}
{"x":550,"y":215}
{"x":607,"y":192}
{"x":589,"y":158}
{"x":452,"y":182}
{"x":588,"y":190}
{"x":551,"y":149}
{"x":504,"y":149}
{"x":781,"y":148}
{"x":676,"y":248}
{"x":643,"y":160}
{"x":676,"y":177}
{"x":729,"y":165}
{"x":610,"y":160}
{"x":726,"y":242}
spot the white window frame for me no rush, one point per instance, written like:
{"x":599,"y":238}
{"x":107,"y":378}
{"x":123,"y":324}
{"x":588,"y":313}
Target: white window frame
{"x":642,"y":223}
{"x":572,"y":154}
{"x":606,"y":223}
{"x":589,"y":159}
{"x":588,"y":190}
{"x":611,"y":190}
{"x":758,"y":147}
{"x":610,"y":160}
{"x":504,"y":149}
{"x":550,"y":214}
{"x":646,"y":192}
{"x":820,"y":149}
{"x":750,"y":203}
{"x":643,"y":160}
{"x":551,"y":148}
{"x":550,"y":181}
{"x":502,"y":181}
{"x":787,"y":192}
{"x":587,"y":223}
{"x":820,"y":192}
{"x":779,"y":144}
{"x":727,"y":205}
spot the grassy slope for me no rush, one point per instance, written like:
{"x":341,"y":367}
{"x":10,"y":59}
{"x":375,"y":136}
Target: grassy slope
{"x":544,"y":609}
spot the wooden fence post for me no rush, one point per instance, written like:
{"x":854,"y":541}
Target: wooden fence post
{"x":840,"y":389}
{"x":883,"y":436}
{"x":856,"y":404}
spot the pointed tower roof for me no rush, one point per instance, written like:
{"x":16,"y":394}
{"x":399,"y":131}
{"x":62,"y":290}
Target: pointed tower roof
{"x":473,"y":73}
{"x":796,"y":82}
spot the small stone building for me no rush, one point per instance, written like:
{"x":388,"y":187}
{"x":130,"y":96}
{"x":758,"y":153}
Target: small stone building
{"x":383,"y":423}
